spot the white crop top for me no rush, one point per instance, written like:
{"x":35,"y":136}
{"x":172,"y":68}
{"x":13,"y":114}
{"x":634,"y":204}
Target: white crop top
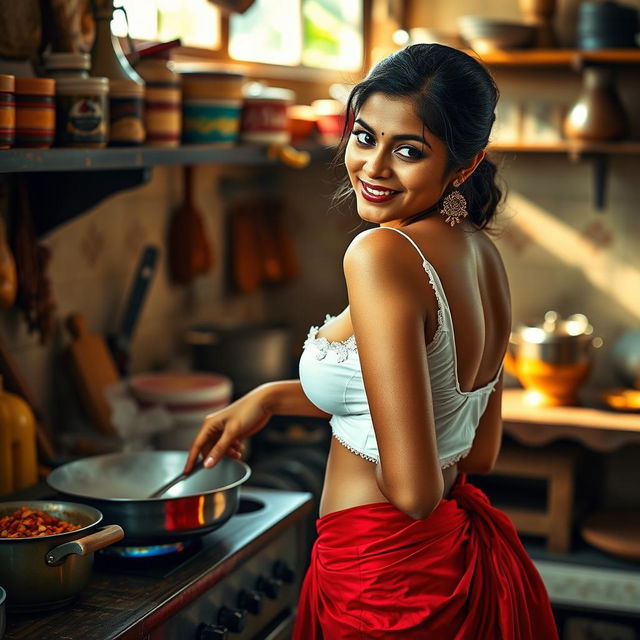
{"x":332,"y":379}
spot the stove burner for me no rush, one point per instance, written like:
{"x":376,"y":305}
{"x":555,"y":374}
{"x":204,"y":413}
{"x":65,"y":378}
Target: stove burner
{"x":149,"y":551}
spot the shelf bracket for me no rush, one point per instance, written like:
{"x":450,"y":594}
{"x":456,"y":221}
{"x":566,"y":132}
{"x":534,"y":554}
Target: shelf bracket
{"x":58,"y":197}
{"x":600,"y":173}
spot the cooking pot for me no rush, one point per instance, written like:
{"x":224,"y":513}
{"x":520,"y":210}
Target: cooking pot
{"x":249,"y":355}
{"x":49,"y":571}
{"x":553,"y":359}
{"x":119,"y":485}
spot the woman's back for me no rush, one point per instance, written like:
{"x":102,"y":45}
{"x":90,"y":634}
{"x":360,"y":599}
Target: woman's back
{"x":475,"y":301}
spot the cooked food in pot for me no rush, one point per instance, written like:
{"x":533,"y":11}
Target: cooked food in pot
{"x":33,"y":523}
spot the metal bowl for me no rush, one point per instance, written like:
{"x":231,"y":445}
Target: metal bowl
{"x":118,"y":485}
{"x":485,"y":34}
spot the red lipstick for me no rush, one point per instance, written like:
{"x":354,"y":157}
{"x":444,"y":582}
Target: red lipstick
{"x":373,"y":193}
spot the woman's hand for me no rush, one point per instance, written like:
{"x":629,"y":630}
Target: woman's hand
{"x":222,"y":432}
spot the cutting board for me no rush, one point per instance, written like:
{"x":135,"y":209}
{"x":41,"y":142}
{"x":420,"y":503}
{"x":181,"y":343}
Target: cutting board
{"x":93,"y":369}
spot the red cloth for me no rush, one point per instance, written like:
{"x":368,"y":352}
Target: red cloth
{"x":460,"y":574}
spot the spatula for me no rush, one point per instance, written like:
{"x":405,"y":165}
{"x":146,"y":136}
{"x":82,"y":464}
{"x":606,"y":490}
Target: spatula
{"x":179,"y":478}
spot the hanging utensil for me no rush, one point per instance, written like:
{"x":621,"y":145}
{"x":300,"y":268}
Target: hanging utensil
{"x":190,"y":254}
{"x":120,"y":342}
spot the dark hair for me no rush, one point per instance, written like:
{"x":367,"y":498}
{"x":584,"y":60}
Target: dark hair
{"x":455,"y":98}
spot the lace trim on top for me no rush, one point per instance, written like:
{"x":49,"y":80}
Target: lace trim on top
{"x":444,"y":464}
{"x":451,"y":460}
{"x":440,"y":321}
{"x":346,"y":445}
{"x":341,"y":347}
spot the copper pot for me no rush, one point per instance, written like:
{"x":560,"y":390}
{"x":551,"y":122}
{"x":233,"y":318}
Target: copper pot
{"x":552,"y":360}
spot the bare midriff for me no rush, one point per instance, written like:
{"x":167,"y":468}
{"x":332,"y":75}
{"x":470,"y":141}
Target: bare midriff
{"x":350,"y":481}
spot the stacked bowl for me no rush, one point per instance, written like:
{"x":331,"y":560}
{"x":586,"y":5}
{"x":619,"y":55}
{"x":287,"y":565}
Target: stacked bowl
{"x":187,"y":396}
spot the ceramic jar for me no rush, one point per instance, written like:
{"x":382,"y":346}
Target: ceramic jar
{"x":211,"y":106}
{"x":82,"y":112}
{"x":264,"y":117}
{"x":162,"y":102}
{"x":598,"y":114}
{"x":126,"y":113}
{"x":35,"y":112}
{"x":7,"y":111}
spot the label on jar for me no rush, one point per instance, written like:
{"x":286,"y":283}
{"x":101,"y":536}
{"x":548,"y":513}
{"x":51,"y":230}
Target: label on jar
{"x":81,"y":119}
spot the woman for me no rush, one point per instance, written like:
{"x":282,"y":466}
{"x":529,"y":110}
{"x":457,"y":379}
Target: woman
{"x":411,"y":375}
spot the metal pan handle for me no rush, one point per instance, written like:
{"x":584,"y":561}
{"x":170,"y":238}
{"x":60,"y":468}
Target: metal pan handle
{"x":102,"y":538}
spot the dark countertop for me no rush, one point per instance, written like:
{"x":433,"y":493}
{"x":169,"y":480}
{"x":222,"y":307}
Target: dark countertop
{"x":115,"y":605}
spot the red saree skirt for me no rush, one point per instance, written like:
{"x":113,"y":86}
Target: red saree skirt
{"x":460,"y":574}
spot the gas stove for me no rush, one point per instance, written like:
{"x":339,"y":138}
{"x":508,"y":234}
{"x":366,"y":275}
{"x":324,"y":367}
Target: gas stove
{"x":240,"y":581}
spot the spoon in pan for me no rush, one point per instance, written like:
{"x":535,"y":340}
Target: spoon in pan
{"x":179,"y":478}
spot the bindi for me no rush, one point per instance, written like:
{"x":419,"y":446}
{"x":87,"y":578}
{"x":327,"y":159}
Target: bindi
{"x":382,"y":133}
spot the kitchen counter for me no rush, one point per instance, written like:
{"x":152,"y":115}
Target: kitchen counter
{"x":124,"y":606}
{"x":592,"y":424}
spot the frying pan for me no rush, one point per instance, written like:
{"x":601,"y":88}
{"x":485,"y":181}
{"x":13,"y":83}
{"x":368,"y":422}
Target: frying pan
{"x":118,"y":484}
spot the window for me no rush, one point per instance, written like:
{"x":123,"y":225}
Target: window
{"x":325,"y":34}
{"x":316,"y":33}
{"x":195,"y":22}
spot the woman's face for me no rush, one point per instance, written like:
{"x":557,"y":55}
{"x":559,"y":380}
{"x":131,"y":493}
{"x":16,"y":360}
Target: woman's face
{"x":395,"y":165}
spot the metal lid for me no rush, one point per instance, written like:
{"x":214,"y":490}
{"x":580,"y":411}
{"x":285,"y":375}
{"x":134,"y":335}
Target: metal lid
{"x":556,"y":329}
{"x":259,"y":91}
{"x":35,"y":86}
{"x":7,"y":82}
{"x":67,"y":60}
{"x":78,"y":84}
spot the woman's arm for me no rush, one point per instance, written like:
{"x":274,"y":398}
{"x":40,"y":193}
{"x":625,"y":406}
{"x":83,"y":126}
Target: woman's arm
{"x":286,"y":398}
{"x":223,"y":431}
{"x":388,"y":319}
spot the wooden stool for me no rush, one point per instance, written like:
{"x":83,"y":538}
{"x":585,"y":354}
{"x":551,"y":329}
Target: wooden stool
{"x":557,"y":467}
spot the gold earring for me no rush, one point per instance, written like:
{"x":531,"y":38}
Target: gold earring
{"x":454,"y":206}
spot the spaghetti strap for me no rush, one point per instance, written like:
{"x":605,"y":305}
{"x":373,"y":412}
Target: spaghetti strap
{"x":417,"y":248}
{"x":444,"y":317}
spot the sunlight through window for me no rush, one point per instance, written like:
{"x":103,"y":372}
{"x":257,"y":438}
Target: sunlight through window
{"x":195,"y":22}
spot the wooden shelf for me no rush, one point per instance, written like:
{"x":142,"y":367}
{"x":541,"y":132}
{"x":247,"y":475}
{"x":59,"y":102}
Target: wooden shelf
{"x":41,"y":160}
{"x":596,"y":427}
{"x":572,"y":147}
{"x":558,"y":57}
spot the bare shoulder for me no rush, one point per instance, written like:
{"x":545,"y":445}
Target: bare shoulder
{"x":377,"y":251}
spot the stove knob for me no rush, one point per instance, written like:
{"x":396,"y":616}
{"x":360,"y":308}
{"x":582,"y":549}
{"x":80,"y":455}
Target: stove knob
{"x":269,"y":586}
{"x":282,"y":571}
{"x":233,"y":619}
{"x":251,"y":601}
{"x":212,"y":632}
